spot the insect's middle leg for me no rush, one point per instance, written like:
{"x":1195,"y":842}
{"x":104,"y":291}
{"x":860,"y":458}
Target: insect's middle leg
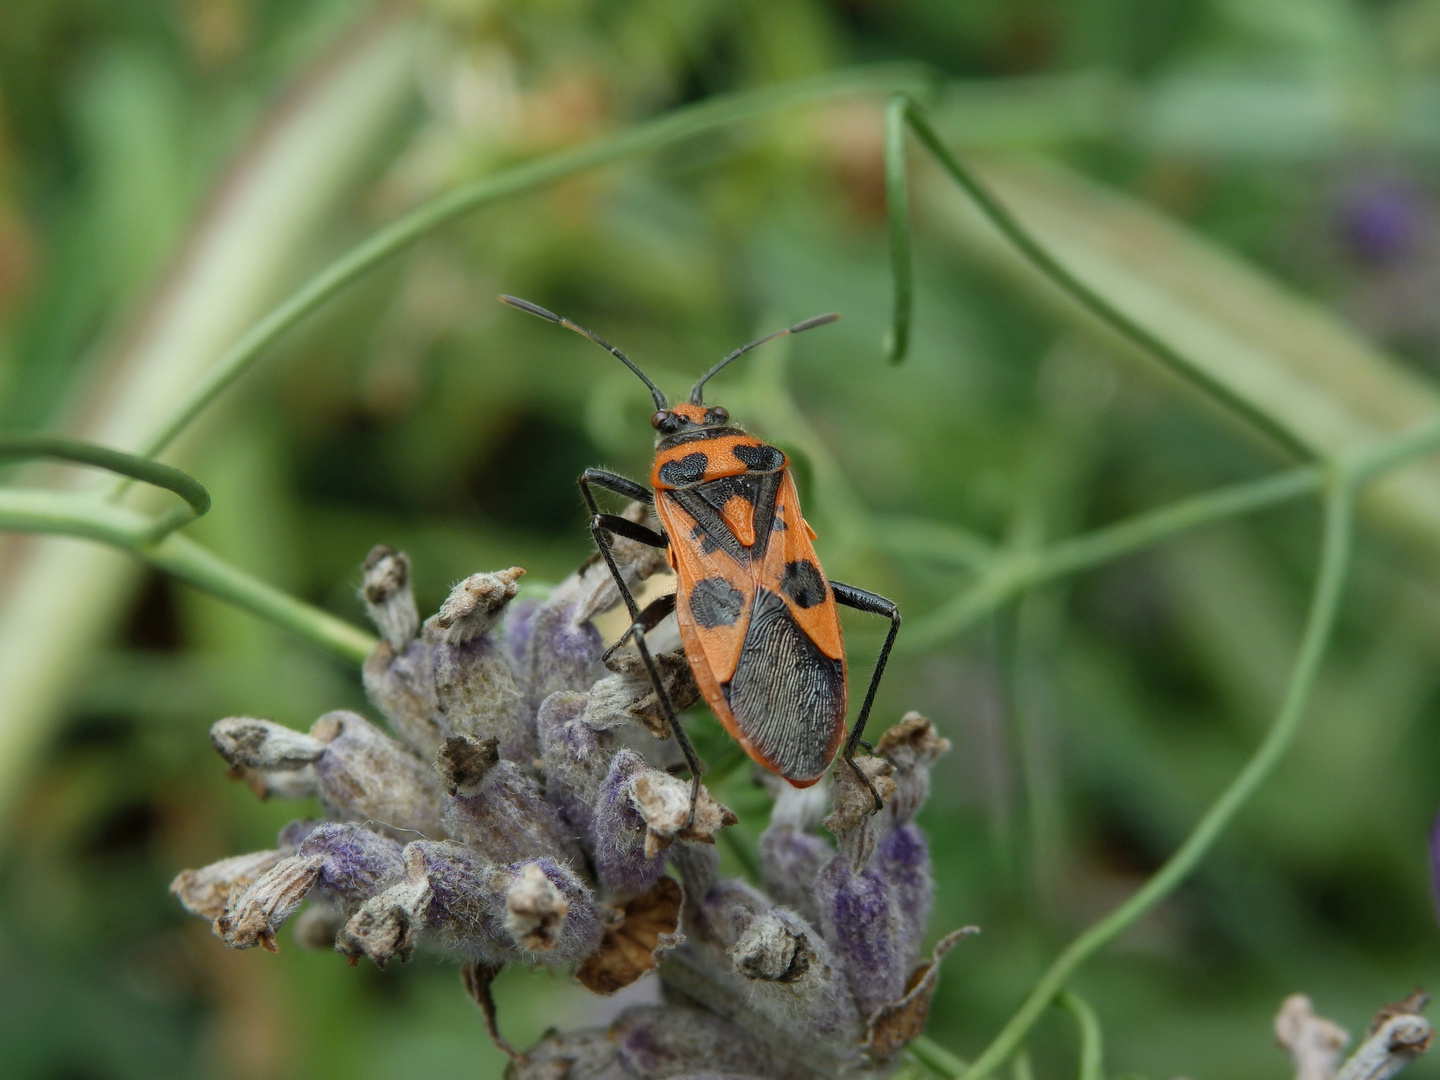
{"x":861,"y":600}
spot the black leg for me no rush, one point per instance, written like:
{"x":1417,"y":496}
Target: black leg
{"x":654,"y":614}
{"x":637,"y":631}
{"x":641,"y":621}
{"x":621,"y":486}
{"x":861,"y":600}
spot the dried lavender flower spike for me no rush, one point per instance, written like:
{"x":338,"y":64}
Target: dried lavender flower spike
{"x":264,"y":745}
{"x":1314,"y":1043}
{"x":388,"y":597}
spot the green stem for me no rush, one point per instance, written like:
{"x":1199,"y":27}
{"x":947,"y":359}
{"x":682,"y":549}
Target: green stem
{"x":671,"y":127}
{"x":116,"y":461}
{"x":80,"y":516}
{"x":1334,"y":561}
{"x":996,"y":213}
{"x":1092,"y":1043}
{"x":935,"y":1057}
{"x":1010,"y":574}
{"x":897,"y":208}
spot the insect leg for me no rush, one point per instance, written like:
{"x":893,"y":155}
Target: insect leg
{"x":664,"y":605}
{"x":653,"y":615}
{"x":599,"y":524}
{"x":861,"y":600}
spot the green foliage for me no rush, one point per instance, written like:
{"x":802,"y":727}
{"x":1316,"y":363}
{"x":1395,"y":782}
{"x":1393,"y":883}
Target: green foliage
{"x":1030,"y":492}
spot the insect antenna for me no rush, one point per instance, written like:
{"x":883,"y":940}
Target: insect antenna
{"x":550,"y":316}
{"x":808,"y":324}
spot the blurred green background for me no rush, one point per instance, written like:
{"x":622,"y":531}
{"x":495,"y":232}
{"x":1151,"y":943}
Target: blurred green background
{"x":1092,"y":722}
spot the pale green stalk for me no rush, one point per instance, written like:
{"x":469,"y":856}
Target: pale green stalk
{"x":1092,"y":1042}
{"x":1334,"y":561}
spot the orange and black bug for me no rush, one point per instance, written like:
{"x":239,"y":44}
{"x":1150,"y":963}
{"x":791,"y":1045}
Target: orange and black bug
{"x":756,"y":614}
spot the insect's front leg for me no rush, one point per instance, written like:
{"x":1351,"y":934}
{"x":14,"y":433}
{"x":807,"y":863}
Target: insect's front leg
{"x":600,"y":524}
{"x":861,"y":600}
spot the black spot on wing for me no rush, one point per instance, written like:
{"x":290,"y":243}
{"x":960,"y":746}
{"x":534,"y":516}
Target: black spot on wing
{"x":803,"y":583}
{"x":786,"y":695}
{"x":687,"y":470}
{"x":715,"y":602}
{"x":722,"y":489}
{"x":760,"y":458}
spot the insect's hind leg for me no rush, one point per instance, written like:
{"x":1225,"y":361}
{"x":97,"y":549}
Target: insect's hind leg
{"x":861,"y":600}
{"x":652,"y":616}
{"x":641,"y":621}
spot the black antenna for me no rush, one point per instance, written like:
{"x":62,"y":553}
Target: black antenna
{"x":808,"y":324}
{"x":550,"y":316}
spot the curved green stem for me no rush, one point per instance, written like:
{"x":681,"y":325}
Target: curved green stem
{"x":1092,"y":1042}
{"x":87,"y":518}
{"x":905,"y":109}
{"x":1330,"y":580}
{"x":116,"y":461}
{"x":1009,"y":574}
{"x":671,"y":127}
{"x":935,"y":1057}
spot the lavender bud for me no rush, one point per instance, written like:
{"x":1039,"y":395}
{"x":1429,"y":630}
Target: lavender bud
{"x":576,"y":758}
{"x":388,"y":597}
{"x":902,"y":860}
{"x":402,"y":686}
{"x":463,"y":900}
{"x":263,"y":744}
{"x":476,"y":604}
{"x":661,"y":1041}
{"x":664,"y":803}
{"x":628,"y":696}
{"x":791,"y":978}
{"x":476,"y":692}
{"x":623,"y":865}
{"x":562,"y":653}
{"x":386,"y":926}
{"x":717,"y":909}
{"x":364,"y":775}
{"x":508,"y":819}
{"x":854,"y":822}
{"x":859,"y":918}
{"x":355,"y":863}
{"x":912,"y":747}
{"x":550,"y":914}
{"x":463,"y":762}
{"x":206,"y":891}
{"x":790,"y":860}
{"x":252,"y":917}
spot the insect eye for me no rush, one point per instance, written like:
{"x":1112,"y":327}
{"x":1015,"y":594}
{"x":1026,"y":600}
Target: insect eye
{"x":665,"y":421}
{"x":719,"y":415}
